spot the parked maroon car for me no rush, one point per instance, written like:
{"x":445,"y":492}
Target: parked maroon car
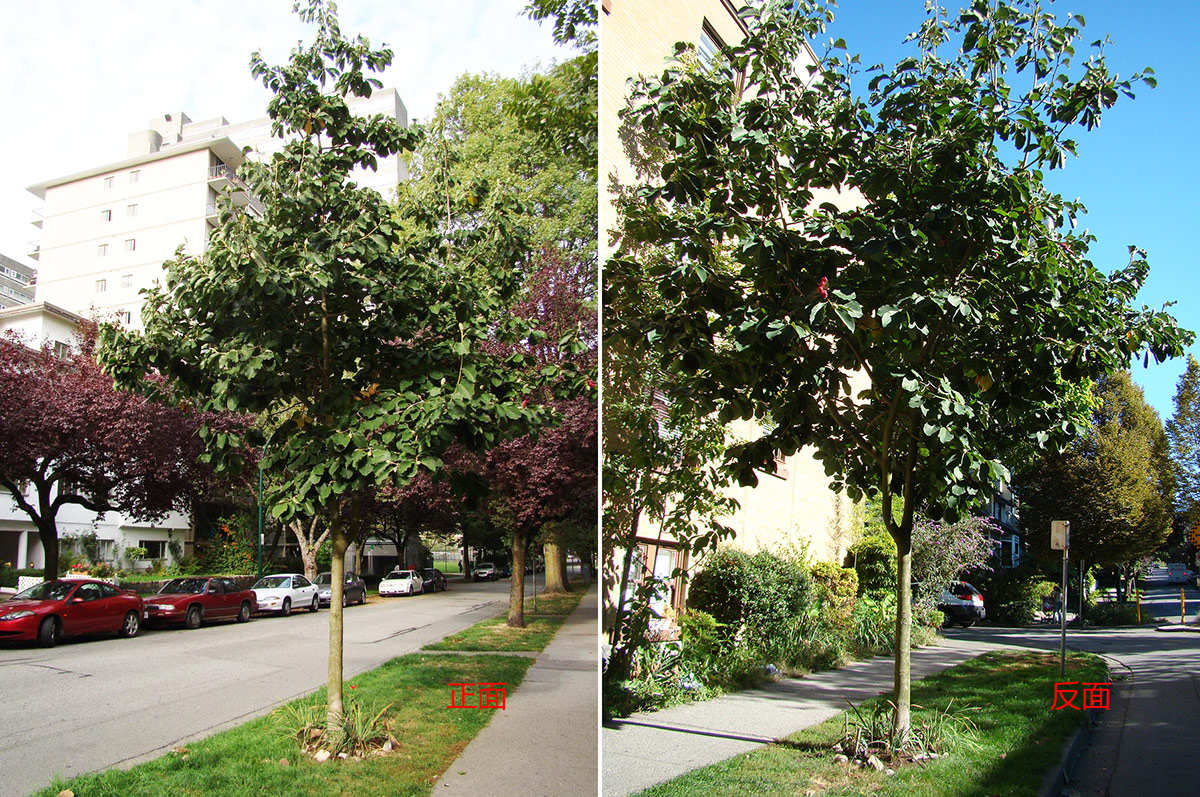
{"x":60,"y":608}
{"x":194,"y":600}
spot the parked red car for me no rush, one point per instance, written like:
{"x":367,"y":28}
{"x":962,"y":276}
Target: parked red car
{"x":55,"y":609}
{"x":193,"y":600}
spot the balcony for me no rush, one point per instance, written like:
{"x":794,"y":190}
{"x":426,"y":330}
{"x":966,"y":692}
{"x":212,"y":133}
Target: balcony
{"x":34,"y":251}
{"x":37,"y":219}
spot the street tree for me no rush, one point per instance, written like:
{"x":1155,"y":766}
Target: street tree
{"x":68,"y":434}
{"x":885,"y":277}
{"x":1114,"y":483}
{"x":386,"y":341}
{"x":1183,"y":434}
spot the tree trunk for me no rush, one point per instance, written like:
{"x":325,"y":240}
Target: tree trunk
{"x":466,"y":559}
{"x":619,"y":660}
{"x":335,"y":712}
{"x":556,"y":567}
{"x":48,"y":534}
{"x":308,"y":545}
{"x":358,"y":557}
{"x":902,"y":719}
{"x":516,"y":589}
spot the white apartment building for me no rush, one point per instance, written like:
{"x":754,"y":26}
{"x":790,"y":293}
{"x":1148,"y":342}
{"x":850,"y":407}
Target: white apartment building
{"x":17,"y":282}
{"x":105,"y":233}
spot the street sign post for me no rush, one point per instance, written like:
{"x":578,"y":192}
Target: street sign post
{"x":1060,"y":540}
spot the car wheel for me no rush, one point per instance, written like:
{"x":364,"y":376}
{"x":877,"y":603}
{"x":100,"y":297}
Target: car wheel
{"x":362,"y":597}
{"x":193,"y":618}
{"x":131,"y":625}
{"x":316,"y":604}
{"x":244,"y":612}
{"x":286,"y":608}
{"x":967,"y":623}
{"x":345,"y":600}
{"x":49,"y":632}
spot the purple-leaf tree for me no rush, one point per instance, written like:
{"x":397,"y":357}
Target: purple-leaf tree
{"x":67,"y":436}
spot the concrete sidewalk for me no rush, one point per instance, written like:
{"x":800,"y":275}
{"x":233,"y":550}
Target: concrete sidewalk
{"x":644,"y":749}
{"x":544,"y":742}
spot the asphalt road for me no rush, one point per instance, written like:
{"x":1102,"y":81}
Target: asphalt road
{"x":1161,"y":599}
{"x":97,"y":703}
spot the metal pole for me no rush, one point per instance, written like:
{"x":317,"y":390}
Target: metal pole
{"x":260,"y":518}
{"x":1062,"y":667}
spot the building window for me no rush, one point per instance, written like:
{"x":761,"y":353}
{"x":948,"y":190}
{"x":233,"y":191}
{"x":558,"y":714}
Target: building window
{"x":102,"y":250}
{"x":133,"y":176}
{"x":130,"y":244}
{"x":126,"y":280}
{"x":61,"y":350}
{"x":106,"y":215}
{"x":108,"y":183}
{"x":709,"y":46}
{"x":131,"y":210}
{"x":101,"y":286}
{"x":155,"y":549}
{"x":124,"y":316}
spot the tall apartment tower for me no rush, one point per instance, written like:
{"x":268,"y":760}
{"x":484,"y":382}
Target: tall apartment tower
{"x":17,"y":282}
{"x":106,"y":231}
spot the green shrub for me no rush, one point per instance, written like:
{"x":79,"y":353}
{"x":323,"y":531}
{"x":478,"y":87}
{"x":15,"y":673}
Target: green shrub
{"x":1110,"y":613}
{"x":873,"y":627}
{"x":230,"y":550}
{"x":835,"y":588}
{"x":1013,"y":596}
{"x":700,"y":634}
{"x":874,"y":561}
{"x":755,"y":596}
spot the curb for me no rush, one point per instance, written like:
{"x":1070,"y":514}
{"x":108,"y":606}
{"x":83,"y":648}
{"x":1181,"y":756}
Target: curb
{"x":1059,"y":777}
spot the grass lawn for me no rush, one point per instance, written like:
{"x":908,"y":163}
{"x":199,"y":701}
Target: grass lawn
{"x":540,"y":626}
{"x":1018,"y":739}
{"x":247,"y":760}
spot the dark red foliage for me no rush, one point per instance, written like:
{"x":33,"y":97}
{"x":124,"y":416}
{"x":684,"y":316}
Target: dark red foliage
{"x":67,"y":433}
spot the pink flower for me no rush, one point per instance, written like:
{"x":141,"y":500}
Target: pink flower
{"x":823,"y":287}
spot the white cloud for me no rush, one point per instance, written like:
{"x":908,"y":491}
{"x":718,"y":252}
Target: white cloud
{"x":76,"y":77}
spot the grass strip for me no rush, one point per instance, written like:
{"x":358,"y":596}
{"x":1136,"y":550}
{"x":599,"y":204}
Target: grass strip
{"x":1017,"y":738}
{"x":258,"y":758}
{"x":540,"y":626}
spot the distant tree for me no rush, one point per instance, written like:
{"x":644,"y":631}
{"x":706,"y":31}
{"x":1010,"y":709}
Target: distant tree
{"x":1114,"y":483}
{"x":71,"y":436}
{"x":917,"y":331}
{"x":1183,"y":434}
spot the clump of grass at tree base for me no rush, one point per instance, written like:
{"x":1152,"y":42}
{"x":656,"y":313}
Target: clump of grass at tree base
{"x":1015,"y":740}
{"x":366,"y":728}
{"x":263,"y":756}
{"x":1111,"y":613}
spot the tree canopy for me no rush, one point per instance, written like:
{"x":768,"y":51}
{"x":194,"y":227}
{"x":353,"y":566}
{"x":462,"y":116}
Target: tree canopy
{"x":1114,"y":483}
{"x":1183,"y":434}
{"x":884,"y":277}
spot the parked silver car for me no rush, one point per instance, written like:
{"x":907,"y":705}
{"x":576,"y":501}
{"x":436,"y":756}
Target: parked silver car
{"x":353,"y":590}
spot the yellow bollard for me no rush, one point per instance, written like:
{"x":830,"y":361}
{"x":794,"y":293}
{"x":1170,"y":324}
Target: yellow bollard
{"x":1182,"y":607}
{"x":1139,"y":606}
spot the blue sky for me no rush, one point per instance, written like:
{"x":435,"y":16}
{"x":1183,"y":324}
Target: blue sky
{"x":1138,"y":173}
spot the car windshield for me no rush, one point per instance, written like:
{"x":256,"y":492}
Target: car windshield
{"x":193,"y":586}
{"x":400,"y":574}
{"x":324,"y":580}
{"x":272,"y":582}
{"x":46,"y":591}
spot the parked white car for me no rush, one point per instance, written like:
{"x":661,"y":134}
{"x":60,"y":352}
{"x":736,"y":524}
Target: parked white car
{"x":402,"y":582}
{"x":285,"y":591}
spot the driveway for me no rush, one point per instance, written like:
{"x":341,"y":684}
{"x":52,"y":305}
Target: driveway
{"x":98,"y":703}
